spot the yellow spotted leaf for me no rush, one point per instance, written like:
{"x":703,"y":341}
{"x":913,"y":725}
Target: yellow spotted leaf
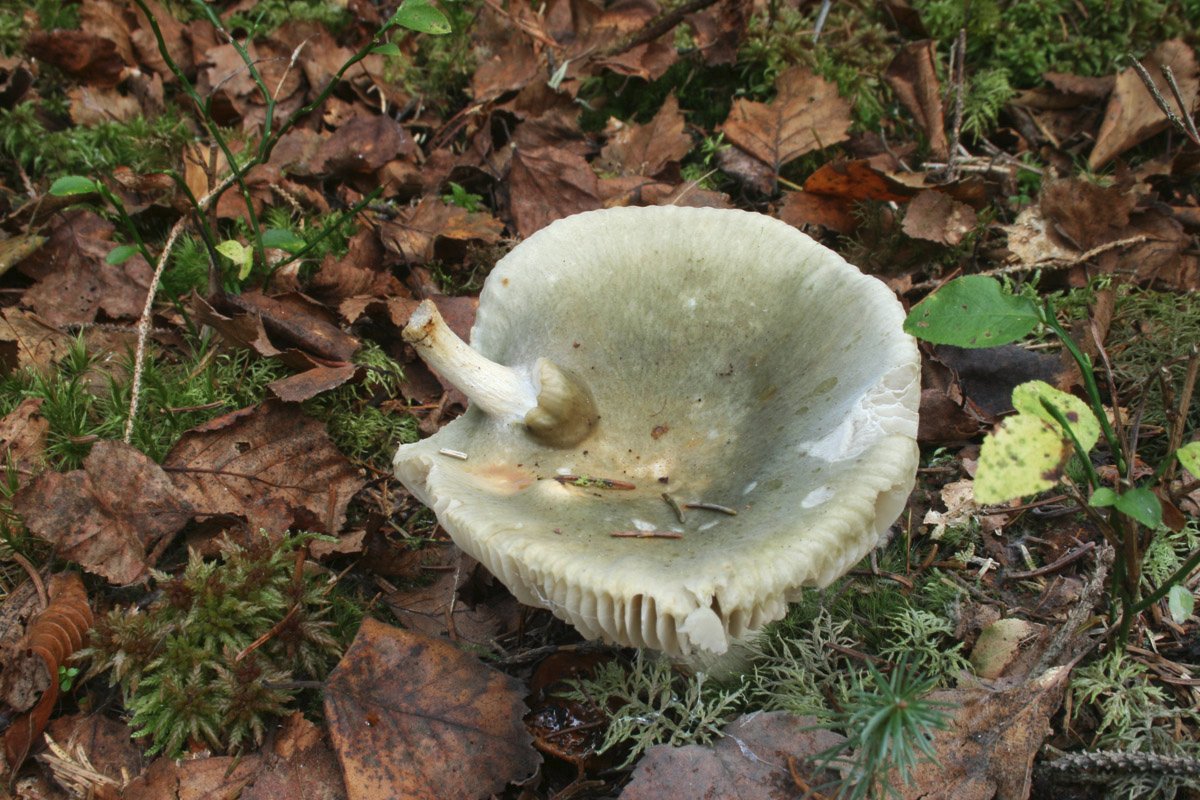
{"x":1028,"y":398}
{"x":1023,"y":457}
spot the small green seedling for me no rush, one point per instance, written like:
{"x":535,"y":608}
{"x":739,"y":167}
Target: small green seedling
{"x":1028,"y":452}
{"x":66,"y":677}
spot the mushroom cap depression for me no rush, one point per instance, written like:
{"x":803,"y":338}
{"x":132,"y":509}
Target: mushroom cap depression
{"x":732,"y":361}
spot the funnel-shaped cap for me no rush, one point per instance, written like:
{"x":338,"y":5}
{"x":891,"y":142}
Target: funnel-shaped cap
{"x":731,"y":361}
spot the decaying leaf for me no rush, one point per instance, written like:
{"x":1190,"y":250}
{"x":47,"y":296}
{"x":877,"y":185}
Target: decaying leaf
{"x":913,"y":77}
{"x":937,"y":217}
{"x":414,"y":232}
{"x":807,"y":114}
{"x":105,"y":744}
{"x":27,"y":341}
{"x":271,"y":465}
{"x":986,"y":752}
{"x":648,"y":149}
{"x":23,"y":438}
{"x":105,"y":516}
{"x":49,"y":640}
{"x":1023,"y":457}
{"x":300,"y":764}
{"x":217,"y":778}
{"x":75,"y":283}
{"x":1132,"y":115}
{"x":415,"y":718}
{"x":753,"y":759}
{"x":547,"y":183}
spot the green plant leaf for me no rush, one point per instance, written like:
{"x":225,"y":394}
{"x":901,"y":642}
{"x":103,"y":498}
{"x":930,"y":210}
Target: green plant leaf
{"x":1027,"y":399}
{"x":239,"y":254}
{"x":283,"y":239}
{"x":1181,"y":603}
{"x":1023,"y":457}
{"x":972,"y":311}
{"x":1189,"y":456}
{"x":72,"y":184}
{"x":120,"y":254}
{"x":421,"y":16}
{"x":386,"y":49}
{"x":1142,"y":505}
{"x":1103,"y":498}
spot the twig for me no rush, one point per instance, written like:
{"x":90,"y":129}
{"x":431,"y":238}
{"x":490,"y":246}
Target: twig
{"x":1185,"y":125}
{"x":674,"y":504}
{"x":660,"y":27}
{"x":266,"y":637}
{"x":712,"y":507}
{"x":1054,"y":566}
{"x":822,"y":15}
{"x":646,"y":535}
{"x":958,"y":56}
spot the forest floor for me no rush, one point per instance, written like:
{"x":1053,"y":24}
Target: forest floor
{"x":216,"y":219}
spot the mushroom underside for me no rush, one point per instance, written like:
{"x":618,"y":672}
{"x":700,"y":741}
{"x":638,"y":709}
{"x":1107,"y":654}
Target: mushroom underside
{"x":751,"y":371}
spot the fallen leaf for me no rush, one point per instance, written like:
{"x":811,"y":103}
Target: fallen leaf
{"x":28,"y":342}
{"x":105,"y":516}
{"x":290,"y":327}
{"x":937,"y":217}
{"x":913,"y":77}
{"x":562,"y":727}
{"x":719,"y":30}
{"x":857,"y":180}
{"x":271,"y":465}
{"x":415,"y":717}
{"x":219,"y":778}
{"x":546,"y":184}
{"x":988,"y":376}
{"x":50,"y":639}
{"x":807,"y":114}
{"x":807,"y":208}
{"x":648,"y":149}
{"x":986,"y":751}
{"x":1132,"y":116}
{"x":23,"y":437}
{"x":299,"y":765}
{"x":748,"y":170}
{"x":359,"y":273}
{"x":106,"y":743}
{"x":751,"y":760}
{"x":415,"y":231}
{"x":92,"y":105}
{"x":310,"y":383}
{"x":363,"y":145}
{"x":78,"y":53}
{"x":74,"y":282}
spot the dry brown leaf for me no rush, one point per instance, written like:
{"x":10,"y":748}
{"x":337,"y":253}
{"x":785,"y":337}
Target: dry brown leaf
{"x":290,"y":327}
{"x":809,"y":208}
{"x":26,"y":341}
{"x":50,"y":639}
{"x":416,"y":231}
{"x":415,"y":717}
{"x":146,"y":44}
{"x":648,"y":149}
{"x":105,"y":516}
{"x":913,"y":77}
{"x":363,"y":145}
{"x":300,"y":765}
{"x":1132,"y":116}
{"x":359,"y":273}
{"x":807,"y":114}
{"x":23,"y":437}
{"x":74,"y":283}
{"x":987,"y":750}
{"x":751,"y":760}
{"x":546,"y":184}
{"x":80,"y":54}
{"x":108,"y":744}
{"x":92,"y":105}
{"x":857,"y":180}
{"x":219,"y":778}
{"x":719,"y":30}
{"x":312,"y":382}
{"x":271,"y":465}
{"x":937,"y":217}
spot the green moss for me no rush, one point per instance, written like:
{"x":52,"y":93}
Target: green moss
{"x":177,"y":661}
{"x":15,"y":20}
{"x":263,"y":17}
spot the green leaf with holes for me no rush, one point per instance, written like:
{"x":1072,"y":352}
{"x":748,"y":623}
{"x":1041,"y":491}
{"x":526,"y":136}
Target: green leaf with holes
{"x":1181,"y":603}
{"x":1028,"y":398}
{"x":972,"y":311}
{"x":1189,"y":456}
{"x":1024,"y":457}
{"x":421,"y":16}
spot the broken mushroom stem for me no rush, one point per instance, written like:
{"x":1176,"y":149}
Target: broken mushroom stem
{"x":555,"y":407}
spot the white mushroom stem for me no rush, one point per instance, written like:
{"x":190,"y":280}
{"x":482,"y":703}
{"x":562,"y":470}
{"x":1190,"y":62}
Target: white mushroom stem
{"x":555,"y":407}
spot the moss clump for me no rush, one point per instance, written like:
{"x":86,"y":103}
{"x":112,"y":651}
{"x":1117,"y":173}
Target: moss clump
{"x":210,"y":660}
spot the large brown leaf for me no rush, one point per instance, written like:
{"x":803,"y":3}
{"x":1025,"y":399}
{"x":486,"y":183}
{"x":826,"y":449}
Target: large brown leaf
{"x":750,"y":761}
{"x":416,"y":230}
{"x":1132,"y":115}
{"x":74,"y":283}
{"x":913,"y":77}
{"x":415,"y":718}
{"x":648,"y":149}
{"x":987,"y":750}
{"x":271,"y":465}
{"x":547,"y":183}
{"x":807,"y":114}
{"x":105,"y":516}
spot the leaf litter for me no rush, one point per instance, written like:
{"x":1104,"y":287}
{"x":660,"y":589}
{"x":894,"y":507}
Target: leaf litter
{"x":551,"y":110}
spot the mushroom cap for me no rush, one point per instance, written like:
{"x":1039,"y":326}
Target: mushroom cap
{"x":733,"y":360}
